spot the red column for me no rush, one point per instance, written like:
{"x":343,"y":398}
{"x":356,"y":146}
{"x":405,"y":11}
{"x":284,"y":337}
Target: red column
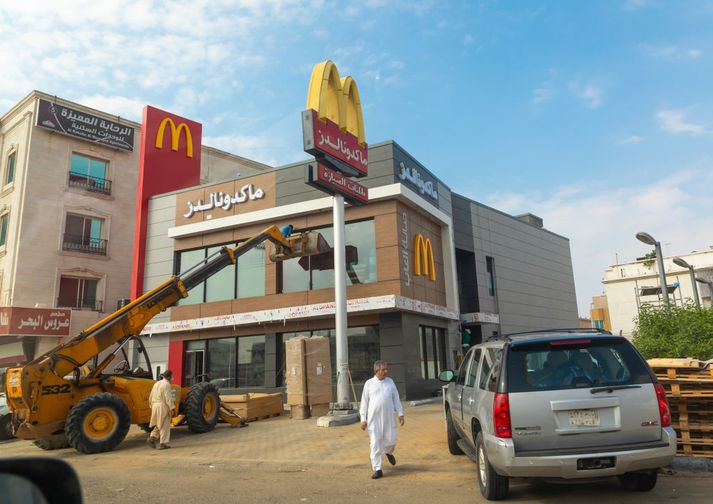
{"x":175,"y":360}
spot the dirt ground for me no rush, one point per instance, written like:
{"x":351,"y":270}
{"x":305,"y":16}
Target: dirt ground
{"x":283,"y":460}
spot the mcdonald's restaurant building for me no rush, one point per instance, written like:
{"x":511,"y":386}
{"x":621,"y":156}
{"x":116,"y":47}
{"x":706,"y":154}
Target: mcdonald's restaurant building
{"x":427,"y":270}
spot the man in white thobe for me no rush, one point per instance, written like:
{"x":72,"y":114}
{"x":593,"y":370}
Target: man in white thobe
{"x":379,"y":401}
{"x":161,"y":400}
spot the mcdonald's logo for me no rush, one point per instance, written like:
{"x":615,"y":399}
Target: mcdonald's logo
{"x":175,"y":136}
{"x":336,"y":99}
{"x":332,"y":125}
{"x":423,"y":263}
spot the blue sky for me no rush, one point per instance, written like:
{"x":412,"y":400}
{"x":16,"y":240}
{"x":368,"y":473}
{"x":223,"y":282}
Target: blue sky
{"x":594,"y":115}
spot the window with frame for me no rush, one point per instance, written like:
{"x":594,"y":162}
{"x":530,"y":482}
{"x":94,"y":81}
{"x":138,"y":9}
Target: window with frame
{"x":84,"y":234}
{"x":89,"y":173}
{"x":226,"y":362}
{"x":317,"y":271}
{"x":490,"y":366}
{"x":490,"y":273}
{"x":78,"y":293}
{"x":10,"y":167}
{"x":4,"y":222}
{"x":473,"y":372}
{"x":433,"y":351}
{"x":245,"y":279}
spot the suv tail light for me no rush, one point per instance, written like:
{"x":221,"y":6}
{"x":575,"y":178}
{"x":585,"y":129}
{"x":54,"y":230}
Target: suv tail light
{"x":501,"y":416}
{"x":664,"y":410}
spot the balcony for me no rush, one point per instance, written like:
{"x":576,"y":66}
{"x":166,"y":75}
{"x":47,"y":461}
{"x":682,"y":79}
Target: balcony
{"x":75,"y":243}
{"x":88,"y":183}
{"x":81,"y":304}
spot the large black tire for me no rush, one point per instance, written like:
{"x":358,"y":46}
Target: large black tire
{"x":54,"y":442}
{"x":97,"y":423}
{"x":202,"y":407}
{"x":492,"y":485}
{"x":6,"y":427}
{"x":452,"y":435}
{"x":639,"y":482}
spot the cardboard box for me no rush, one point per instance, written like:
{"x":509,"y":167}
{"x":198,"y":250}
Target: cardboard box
{"x":295,"y":371}
{"x":318,"y":410}
{"x":299,"y":412}
{"x":319,"y":370}
{"x":255,"y":406}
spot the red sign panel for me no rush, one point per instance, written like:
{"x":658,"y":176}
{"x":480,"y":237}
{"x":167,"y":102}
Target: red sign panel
{"x":34,"y":321}
{"x":329,"y":144}
{"x":333,"y":182}
{"x":170,"y":159}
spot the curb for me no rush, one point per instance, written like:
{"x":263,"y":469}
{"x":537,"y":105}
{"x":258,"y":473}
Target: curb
{"x":694,"y":464}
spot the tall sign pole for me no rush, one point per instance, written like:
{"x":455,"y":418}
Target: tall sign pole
{"x":340,"y":305}
{"x":333,"y":131}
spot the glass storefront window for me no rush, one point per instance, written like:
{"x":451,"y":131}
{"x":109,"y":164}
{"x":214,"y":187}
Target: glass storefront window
{"x":251,"y":273}
{"x":317,"y":272}
{"x":221,"y":362}
{"x":251,"y":361}
{"x":432,"y":347}
{"x":222,"y":285}
{"x":187,"y":259}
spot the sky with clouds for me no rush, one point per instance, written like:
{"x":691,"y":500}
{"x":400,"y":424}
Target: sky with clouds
{"x":596,"y":116}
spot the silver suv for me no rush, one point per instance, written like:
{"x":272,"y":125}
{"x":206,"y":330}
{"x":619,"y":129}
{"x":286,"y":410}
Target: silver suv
{"x":561,"y":404}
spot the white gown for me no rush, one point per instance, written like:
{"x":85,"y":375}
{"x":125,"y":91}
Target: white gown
{"x":379,"y":401}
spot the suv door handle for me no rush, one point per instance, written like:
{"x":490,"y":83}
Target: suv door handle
{"x":459,"y":396}
{"x":470,"y":401}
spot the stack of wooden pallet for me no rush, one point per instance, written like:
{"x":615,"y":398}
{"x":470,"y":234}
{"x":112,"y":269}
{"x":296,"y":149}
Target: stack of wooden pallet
{"x":689,"y":388}
{"x":255,"y":406}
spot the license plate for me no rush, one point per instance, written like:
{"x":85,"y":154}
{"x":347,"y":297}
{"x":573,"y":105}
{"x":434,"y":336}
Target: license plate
{"x":586,"y":417}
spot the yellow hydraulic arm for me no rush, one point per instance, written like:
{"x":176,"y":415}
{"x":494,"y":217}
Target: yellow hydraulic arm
{"x":131,"y":319}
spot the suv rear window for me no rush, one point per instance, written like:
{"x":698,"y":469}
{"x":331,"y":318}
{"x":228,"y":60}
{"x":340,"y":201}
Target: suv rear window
{"x":562,"y":364}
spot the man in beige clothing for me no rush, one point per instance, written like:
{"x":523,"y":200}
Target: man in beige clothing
{"x":162,"y":406}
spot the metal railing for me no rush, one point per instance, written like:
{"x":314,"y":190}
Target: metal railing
{"x":81,"y":304}
{"x":94,"y":184}
{"x":75,"y":243}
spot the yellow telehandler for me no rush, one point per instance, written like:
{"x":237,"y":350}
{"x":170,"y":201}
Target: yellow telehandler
{"x":84,"y":393}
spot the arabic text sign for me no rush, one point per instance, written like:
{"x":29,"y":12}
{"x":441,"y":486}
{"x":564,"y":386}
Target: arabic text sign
{"x":333,"y":182}
{"x":35,"y":321}
{"x":85,"y":126}
{"x":329,"y":144}
{"x":224,"y":200}
{"x":415,"y":178}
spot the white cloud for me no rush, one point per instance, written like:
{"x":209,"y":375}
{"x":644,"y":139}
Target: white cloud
{"x":601,"y":220}
{"x":631,"y":139}
{"x":589,"y":93}
{"x":130,"y":108}
{"x":674,"y":121}
{"x":468,"y":39}
{"x":542,"y":94}
{"x":672,"y":52}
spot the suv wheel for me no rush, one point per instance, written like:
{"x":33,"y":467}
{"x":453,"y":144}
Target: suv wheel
{"x":638,"y":482}
{"x":452,"y":434}
{"x":492,"y":485}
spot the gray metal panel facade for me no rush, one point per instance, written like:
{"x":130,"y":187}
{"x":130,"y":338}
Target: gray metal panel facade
{"x":534,"y":281}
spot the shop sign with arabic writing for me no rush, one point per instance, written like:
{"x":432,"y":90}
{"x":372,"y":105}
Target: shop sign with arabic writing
{"x":85,"y":126}
{"x":331,"y":181}
{"x":224,"y":200}
{"x":35,"y":321}
{"x":328,"y":143}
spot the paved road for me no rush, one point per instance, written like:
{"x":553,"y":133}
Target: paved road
{"x":283,"y":460}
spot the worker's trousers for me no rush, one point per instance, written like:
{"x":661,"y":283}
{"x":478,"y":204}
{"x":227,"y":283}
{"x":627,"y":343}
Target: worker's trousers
{"x":162,"y":429}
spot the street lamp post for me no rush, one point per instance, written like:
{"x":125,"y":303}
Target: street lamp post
{"x":680,"y":262}
{"x":649,"y":240}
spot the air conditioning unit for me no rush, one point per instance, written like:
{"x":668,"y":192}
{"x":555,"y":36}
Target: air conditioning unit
{"x":122,"y":302}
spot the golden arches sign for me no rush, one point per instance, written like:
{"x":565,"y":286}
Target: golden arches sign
{"x":175,"y":136}
{"x":423,"y":263}
{"x":336,"y":99}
